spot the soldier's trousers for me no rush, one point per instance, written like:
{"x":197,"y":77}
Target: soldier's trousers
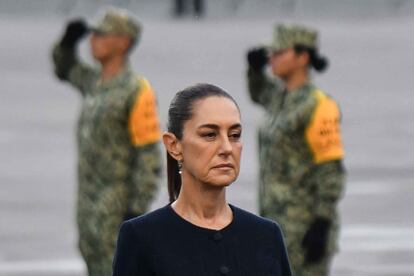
{"x":298,"y":266}
{"x":97,"y":241}
{"x":99,"y":219}
{"x":294,"y":229}
{"x":100,"y":212}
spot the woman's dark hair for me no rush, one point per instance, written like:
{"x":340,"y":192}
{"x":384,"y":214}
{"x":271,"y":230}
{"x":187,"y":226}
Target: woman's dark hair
{"x":318,"y":62}
{"x":180,"y":111}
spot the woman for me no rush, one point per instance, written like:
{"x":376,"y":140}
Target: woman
{"x":199,"y":233}
{"x":301,"y":171}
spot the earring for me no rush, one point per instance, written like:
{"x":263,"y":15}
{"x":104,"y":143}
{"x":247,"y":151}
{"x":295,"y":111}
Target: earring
{"x":180,"y":165}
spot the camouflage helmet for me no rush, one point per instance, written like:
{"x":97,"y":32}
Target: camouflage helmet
{"x":117,"y":22}
{"x":287,"y":36}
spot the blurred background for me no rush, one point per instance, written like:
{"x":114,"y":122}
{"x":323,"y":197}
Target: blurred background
{"x":369,"y":44}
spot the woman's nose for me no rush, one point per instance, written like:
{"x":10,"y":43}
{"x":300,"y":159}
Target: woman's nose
{"x":225,"y":146}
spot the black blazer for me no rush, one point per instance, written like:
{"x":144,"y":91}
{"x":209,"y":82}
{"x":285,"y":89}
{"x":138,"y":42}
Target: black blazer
{"x":162,"y":243}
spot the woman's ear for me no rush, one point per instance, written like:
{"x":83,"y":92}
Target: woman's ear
{"x":172,"y":145}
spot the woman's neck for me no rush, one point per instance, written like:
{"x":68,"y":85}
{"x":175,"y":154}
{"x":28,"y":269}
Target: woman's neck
{"x":112,"y":67}
{"x":296,"y":80}
{"x":203,"y":205}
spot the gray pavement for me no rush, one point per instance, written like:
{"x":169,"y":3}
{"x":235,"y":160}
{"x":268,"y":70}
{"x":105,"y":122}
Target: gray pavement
{"x":370,"y":75}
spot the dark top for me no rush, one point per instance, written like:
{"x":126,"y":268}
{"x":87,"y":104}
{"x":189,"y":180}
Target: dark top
{"x":162,"y":243}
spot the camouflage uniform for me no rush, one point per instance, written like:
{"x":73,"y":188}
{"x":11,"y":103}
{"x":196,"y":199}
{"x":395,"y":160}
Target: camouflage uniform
{"x":300,"y":155}
{"x":119,"y":159}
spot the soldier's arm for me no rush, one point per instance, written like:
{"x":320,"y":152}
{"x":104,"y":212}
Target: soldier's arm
{"x":262,"y":89}
{"x":67,"y":66}
{"x":146,"y":173}
{"x":324,"y":139}
{"x":330,"y":178}
{"x":146,"y":164}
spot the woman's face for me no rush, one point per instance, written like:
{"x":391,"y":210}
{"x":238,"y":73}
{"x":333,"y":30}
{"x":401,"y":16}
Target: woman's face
{"x":105,"y":47}
{"x":211,"y":144}
{"x":285,"y":62}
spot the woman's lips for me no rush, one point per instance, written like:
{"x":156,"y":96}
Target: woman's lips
{"x":224,"y":166}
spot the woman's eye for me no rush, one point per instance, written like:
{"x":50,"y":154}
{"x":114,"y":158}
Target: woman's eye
{"x":235,"y":136}
{"x":209,"y":135}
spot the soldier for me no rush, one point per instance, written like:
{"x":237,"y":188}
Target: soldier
{"x":118,"y":133}
{"x":300,"y":149}
{"x":181,"y":7}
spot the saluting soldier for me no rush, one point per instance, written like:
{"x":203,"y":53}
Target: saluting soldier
{"x":300,"y":149}
{"x":118,"y":133}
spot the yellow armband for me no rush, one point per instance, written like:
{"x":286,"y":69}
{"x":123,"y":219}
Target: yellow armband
{"x":323,"y":133}
{"x":144,"y":125}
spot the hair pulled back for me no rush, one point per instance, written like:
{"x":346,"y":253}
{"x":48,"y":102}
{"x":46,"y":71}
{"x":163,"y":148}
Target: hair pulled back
{"x":180,"y":111}
{"x":318,"y":62}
